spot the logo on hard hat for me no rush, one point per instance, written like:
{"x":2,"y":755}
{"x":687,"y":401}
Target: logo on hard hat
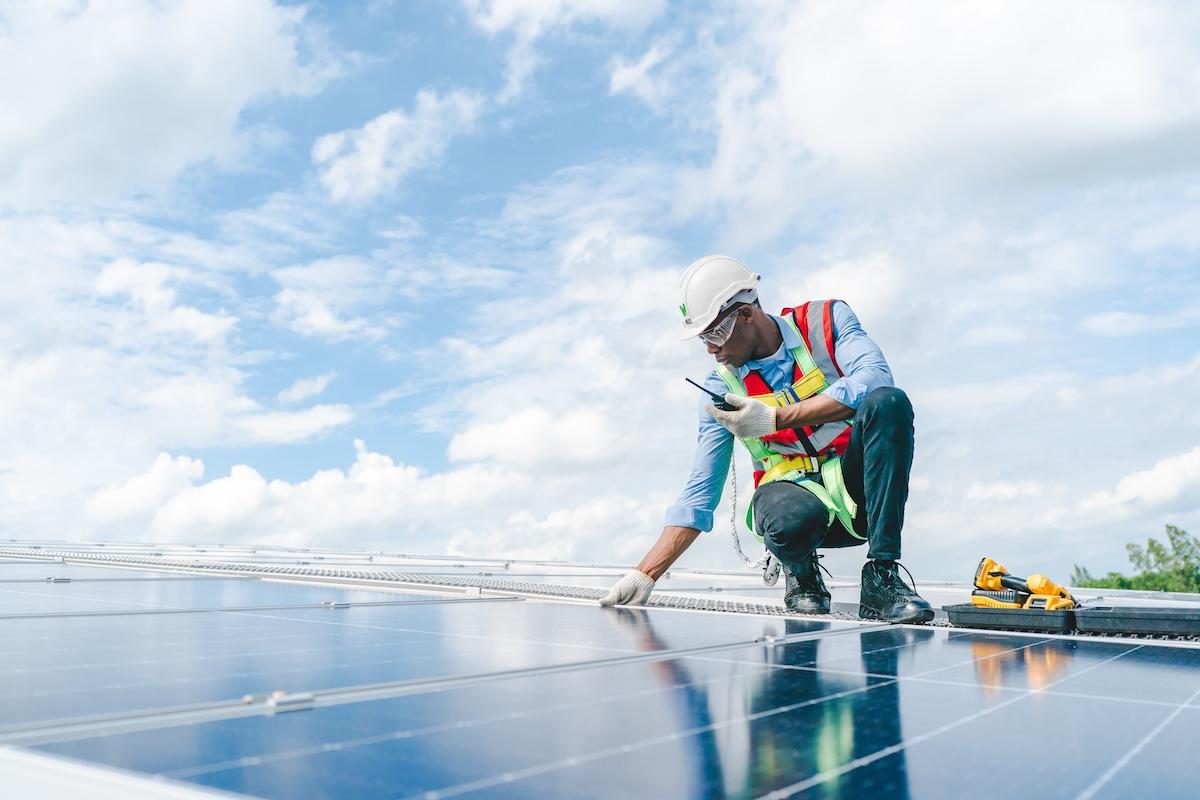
{"x":683,"y":309}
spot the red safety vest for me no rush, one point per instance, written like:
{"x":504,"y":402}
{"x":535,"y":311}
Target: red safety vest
{"x":814,"y":368}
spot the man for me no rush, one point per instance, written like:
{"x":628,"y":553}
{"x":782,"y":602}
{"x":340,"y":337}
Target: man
{"x":813,"y":401}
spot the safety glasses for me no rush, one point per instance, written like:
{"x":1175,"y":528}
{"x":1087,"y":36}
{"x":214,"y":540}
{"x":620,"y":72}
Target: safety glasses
{"x":721,"y":333}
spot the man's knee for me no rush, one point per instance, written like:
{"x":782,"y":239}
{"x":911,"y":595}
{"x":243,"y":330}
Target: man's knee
{"x":886,"y":403}
{"x":785,"y":514}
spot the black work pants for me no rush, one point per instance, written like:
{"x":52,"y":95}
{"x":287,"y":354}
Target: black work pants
{"x":876,"y":466}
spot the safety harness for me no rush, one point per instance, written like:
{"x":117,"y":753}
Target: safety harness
{"x":801,"y":456}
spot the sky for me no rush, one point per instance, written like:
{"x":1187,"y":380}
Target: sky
{"x":402,"y":275}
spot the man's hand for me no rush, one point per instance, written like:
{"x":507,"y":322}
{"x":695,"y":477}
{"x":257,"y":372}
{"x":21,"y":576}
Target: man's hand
{"x":632,"y":590}
{"x":750,"y":419}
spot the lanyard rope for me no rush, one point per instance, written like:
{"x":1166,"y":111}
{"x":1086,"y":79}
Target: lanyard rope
{"x":767,"y":561}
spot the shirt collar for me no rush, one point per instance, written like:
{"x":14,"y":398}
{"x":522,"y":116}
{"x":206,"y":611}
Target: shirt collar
{"x":790,"y":341}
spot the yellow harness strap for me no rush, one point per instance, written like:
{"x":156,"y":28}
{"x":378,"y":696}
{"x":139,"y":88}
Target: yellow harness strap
{"x":831,"y":491}
{"x":809,"y":384}
{"x":794,"y":464}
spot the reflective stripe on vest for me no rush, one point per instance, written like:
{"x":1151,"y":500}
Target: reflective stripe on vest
{"x":818,"y":335}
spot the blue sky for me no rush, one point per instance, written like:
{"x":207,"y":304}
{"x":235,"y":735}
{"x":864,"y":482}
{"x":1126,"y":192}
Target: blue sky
{"x":402,"y":275}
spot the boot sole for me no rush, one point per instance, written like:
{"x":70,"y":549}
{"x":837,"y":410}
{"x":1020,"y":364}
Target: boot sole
{"x":914,"y":617}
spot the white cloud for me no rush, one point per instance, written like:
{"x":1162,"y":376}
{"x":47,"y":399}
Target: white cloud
{"x":638,"y":79}
{"x":118,"y":98}
{"x":145,"y":285}
{"x":910,"y":99}
{"x":310,"y":314}
{"x":1068,"y":397}
{"x":871,"y":284}
{"x":116,"y":346}
{"x":376,"y":502}
{"x":293,"y":426}
{"x":1126,"y":323}
{"x":537,"y":439}
{"x":415,"y":274}
{"x":996,"y":334}
{"x":944,"y":78}
{"x":202,"y":408}
{"x":404,"y":228}
{"x":321,"y":298}
{"x":495,"y":16}
{"x":304,"y":388}
{"x":615,"y":523}
{"x":279,"y":226}
{"x":374,"y":499}
{"x":1002,"y":490}
{"x":1175,"y":479}
{"x":350,"y":297}
{"x":538,"y":219}
{"x":143,"y":493}
{"x":528,"y":21}
{"x":362,"y":163}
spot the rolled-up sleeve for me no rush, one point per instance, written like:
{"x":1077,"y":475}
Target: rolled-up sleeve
{"x":702,"y":493}
{"x":863,"y":366}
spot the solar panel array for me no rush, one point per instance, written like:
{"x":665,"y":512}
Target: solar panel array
{"x":306,"y":687}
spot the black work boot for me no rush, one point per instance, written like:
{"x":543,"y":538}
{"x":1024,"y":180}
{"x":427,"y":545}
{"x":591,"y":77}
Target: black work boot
{"x":805,"y":591}
{"x":884,"y":595}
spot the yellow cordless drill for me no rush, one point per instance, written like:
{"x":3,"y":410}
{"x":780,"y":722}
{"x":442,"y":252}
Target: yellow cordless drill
{"x":995,"y":587}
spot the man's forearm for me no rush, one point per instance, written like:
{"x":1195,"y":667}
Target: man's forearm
{"x":671,"y":544}
{"x":816,"y":410}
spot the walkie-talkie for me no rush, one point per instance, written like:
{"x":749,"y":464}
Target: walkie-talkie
{"x":718,"y":399}
{"x":801,"y":436}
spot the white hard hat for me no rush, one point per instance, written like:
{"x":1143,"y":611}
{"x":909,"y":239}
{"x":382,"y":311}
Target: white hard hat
{"x":711,"y":285}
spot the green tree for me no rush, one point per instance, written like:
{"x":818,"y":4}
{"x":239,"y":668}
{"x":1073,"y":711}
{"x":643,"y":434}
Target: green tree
{"x":1173,"y":566}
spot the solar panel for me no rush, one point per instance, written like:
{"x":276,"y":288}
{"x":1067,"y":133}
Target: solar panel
{"x":23,"y":571}
{"x":448,"y":693}
{"x":164,"y":595}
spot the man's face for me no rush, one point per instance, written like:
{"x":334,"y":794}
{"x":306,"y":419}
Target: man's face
{"x":737,"y":348}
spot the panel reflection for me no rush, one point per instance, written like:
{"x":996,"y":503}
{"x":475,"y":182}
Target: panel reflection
{"x":996,"y":663}
{"x":788,"y":712}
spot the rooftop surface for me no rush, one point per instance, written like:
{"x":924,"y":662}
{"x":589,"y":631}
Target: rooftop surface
{"x":185,"y":671}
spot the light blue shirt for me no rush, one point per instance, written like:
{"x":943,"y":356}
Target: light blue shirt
{"x":864,"y":368}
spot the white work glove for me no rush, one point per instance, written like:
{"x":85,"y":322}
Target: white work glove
{"x":632,"y":590}
{"x":749,"y":420}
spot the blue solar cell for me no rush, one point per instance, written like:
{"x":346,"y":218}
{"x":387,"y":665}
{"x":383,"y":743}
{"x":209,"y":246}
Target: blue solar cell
{"x":21,"y":598}
{"x":1148,"y":674}
{"x":43,"y":569}
{"x":1163,"y":767}
{"x":1060,"y":744}
{"x":845,"y":715}
{"x":998,"y":662}
{"x":77,"y":666}
{"x":34,"y":599}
